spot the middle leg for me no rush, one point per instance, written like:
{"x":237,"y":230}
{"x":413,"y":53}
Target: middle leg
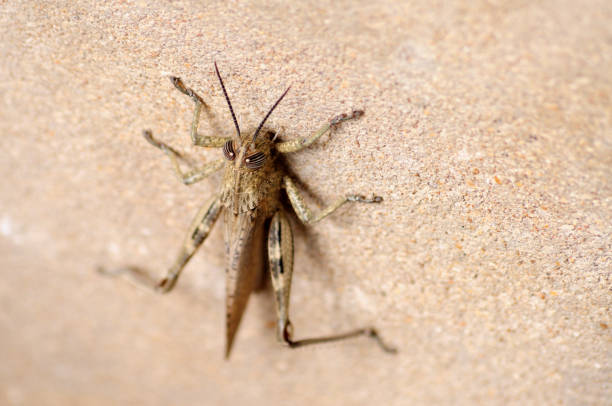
{"x":306,"y":215}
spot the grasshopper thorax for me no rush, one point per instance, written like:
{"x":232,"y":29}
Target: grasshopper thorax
{"x":251,"y":178}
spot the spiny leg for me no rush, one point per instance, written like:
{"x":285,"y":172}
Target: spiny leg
{"x":193,"y":175}
{"x":301,"y":143}
{"x":280,"y":256}
{"x":198,"y":231}
{"x":306,"y":215}
{"x":198,"y":139}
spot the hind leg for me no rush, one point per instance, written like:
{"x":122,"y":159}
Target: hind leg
{"x":198,"y":231}
{"x":280,"y":256}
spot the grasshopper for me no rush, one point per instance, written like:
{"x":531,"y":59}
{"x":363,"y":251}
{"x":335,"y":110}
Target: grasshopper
{"x":250,"y":201}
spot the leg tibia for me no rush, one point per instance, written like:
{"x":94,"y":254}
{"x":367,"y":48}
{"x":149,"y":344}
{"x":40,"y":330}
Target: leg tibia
{"x":306,"y":215}
{"x":188,"y":178}
{"x":198,"y":139}
{"x":305,"y":142}
{"x":367,"y":332}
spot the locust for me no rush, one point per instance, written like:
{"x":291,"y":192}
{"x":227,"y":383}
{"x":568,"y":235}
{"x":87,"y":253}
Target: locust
{"x":257,"y":231}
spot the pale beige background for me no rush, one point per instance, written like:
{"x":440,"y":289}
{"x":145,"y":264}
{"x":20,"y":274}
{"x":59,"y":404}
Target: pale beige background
{"x":487,"y":130}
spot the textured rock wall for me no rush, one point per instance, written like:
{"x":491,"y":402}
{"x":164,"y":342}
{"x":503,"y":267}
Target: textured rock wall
{"x":487,"y":130}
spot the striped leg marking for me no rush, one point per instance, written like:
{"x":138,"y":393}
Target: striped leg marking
{"x":198,"y":231}
{"x":280,"y":255}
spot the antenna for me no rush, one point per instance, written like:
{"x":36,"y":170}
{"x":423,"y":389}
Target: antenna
{"x":269,"y":112}
{"x":228,"y":101}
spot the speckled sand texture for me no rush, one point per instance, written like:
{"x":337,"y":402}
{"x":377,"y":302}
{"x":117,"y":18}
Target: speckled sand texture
{"x":488,"y":130}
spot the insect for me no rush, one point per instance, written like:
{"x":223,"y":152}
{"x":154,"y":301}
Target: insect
{"x":256,"y":230}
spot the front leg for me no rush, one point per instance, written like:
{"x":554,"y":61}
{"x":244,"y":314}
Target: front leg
{"x":306,"y":215}
{"x":193,"y":175}
{"x":198,"y":231}
{"x":301,"y":143}
{"x":198,"y":139}
{"x":280,"y":256}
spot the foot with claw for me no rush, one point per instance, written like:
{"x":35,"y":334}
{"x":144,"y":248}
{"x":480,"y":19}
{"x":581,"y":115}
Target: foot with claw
{"x":178,"y":83}
{"x":141,"y":278}
{"x":134,"y":275}
{"x":344,"y":117}
{"x":148,"y":135}
{"x":166,"y":284}
{"x":363,"y":199}
{"x":372,"y":333}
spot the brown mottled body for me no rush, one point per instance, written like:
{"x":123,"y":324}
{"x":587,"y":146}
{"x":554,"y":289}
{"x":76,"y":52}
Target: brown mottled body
{"x":252,"y":214}
{"x":250,"y":198}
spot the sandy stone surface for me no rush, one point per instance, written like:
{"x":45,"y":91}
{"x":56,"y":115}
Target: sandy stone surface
{"x":488,"y":130}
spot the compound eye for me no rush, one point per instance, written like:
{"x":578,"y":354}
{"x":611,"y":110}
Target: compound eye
{"x":228,"y":150}
{"x":255,"y":161}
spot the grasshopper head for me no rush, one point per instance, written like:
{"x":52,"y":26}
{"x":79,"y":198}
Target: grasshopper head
{"x":248,"y":151}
